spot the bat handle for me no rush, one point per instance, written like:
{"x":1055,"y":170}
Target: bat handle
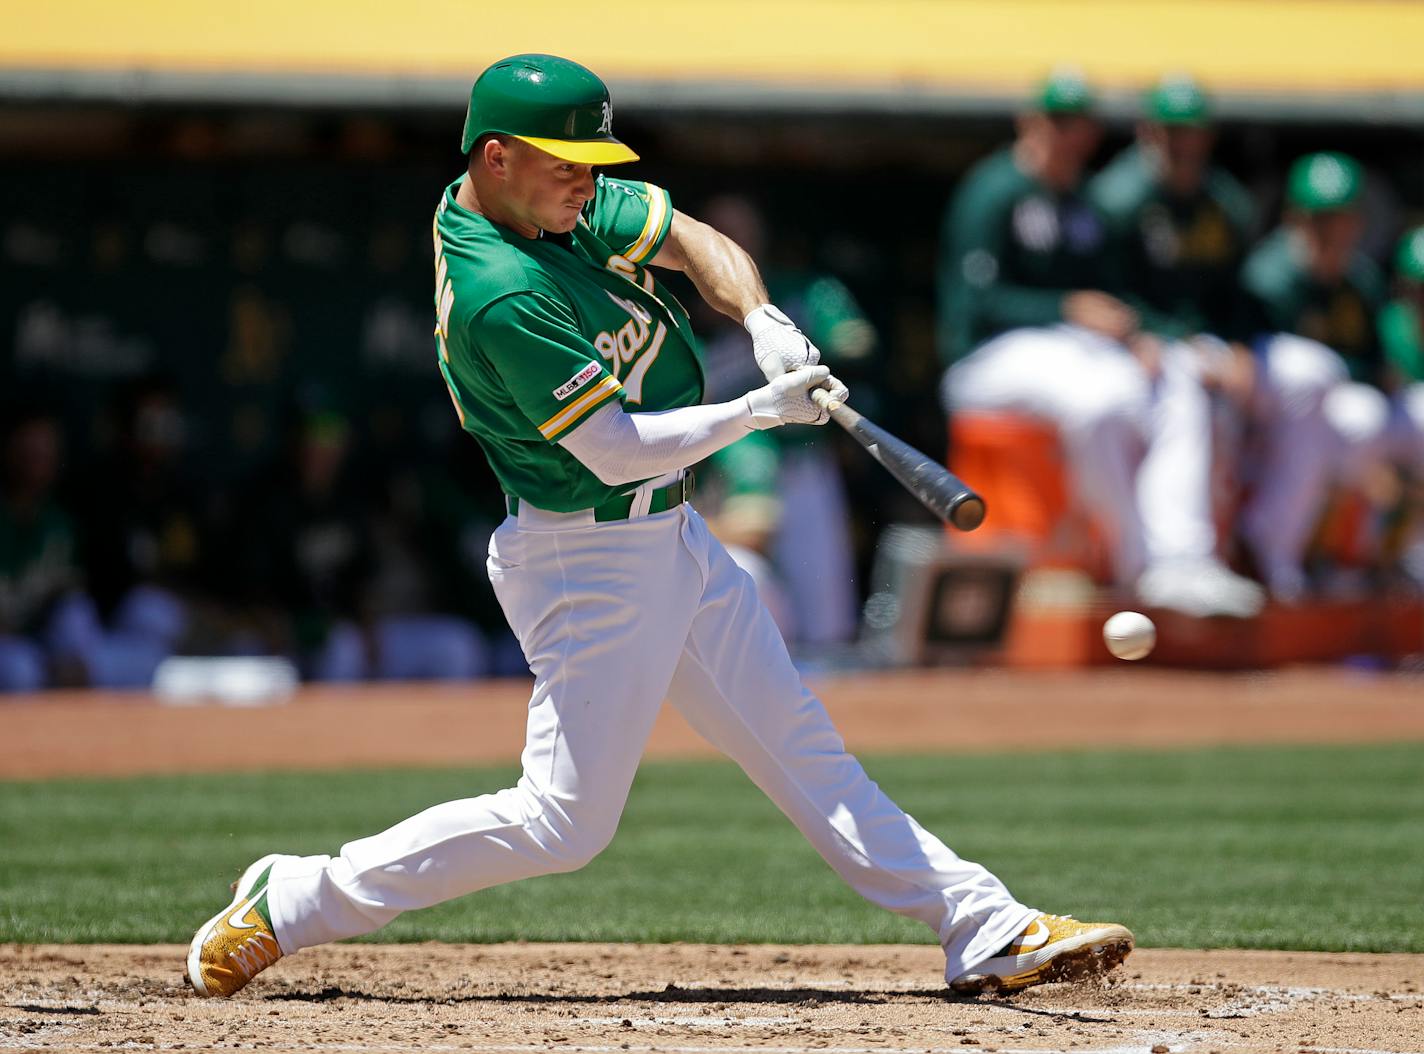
{"x":822,"y":398}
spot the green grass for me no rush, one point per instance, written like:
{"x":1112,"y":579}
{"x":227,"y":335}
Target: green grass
{"x":1312,"y":848}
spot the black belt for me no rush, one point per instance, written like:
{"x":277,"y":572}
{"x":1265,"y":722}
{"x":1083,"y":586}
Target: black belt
{"x":619,"y":508}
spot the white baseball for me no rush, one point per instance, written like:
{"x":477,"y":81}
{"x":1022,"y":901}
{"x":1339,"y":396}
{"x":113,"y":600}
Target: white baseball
{"x":1130,"y":635}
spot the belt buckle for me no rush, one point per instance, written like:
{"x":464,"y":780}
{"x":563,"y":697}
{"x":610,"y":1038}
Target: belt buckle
{"x":689,"y":482}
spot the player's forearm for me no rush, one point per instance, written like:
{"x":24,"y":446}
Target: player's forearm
{"x":620,"y":447}
{"x":725,"y":275}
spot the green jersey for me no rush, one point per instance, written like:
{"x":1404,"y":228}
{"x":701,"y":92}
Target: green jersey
{"x":1011,"y":248}
{"x":1178,"y":256}
{"x":37,"y":564}
{"x":1401,"y":331}
{"x":535,"y":334}
{"x":1285,"y":298}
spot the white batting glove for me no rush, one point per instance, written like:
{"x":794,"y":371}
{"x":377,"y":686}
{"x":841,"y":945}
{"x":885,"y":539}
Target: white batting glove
{"x":777,"y":345}
{"x":787,"y":399}
{"x":838,"y":392}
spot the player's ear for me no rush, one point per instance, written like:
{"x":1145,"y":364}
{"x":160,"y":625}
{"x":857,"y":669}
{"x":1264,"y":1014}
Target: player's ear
{"x":496,"y":156}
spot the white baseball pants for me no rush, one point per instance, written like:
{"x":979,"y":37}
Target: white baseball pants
{"x":1298,"y":455}
{"x":1140,"y":449}
{"x":613,"y":618}
{"x":1317,"y":427}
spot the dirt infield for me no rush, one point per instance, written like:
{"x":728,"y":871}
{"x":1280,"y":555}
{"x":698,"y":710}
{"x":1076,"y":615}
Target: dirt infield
{"x":923,"y":711}
{"x":691,"y":999}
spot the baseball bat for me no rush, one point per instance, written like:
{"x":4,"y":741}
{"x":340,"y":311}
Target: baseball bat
{"x":939,"y":490}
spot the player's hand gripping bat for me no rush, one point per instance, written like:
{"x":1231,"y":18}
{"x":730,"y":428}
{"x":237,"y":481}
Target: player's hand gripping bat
{"x":939,"y":490}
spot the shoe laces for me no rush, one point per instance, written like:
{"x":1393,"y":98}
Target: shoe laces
{"x":254,"y":954}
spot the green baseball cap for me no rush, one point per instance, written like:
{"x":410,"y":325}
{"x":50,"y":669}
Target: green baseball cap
{"x":1178,"y":100}
{"x":1409,"y":260}
{"x":1324,"y":182}
{"x":1065,"y":92}
{"x":551,"y":103}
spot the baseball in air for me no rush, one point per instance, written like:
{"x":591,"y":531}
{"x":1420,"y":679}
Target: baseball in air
{"x":1130,"y":635}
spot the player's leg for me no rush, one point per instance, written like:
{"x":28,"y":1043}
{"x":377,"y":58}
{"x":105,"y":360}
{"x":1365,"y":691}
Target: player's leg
{"x":602,"y":634}
{"x":1411,"y":407}
{"x":812,"y":545}
{"x":1092,"y":392}
{"x":736,"y":685}
{"x":1297,"y":454}
{"x":1100,"y":399}
{"x":1174,"y":494}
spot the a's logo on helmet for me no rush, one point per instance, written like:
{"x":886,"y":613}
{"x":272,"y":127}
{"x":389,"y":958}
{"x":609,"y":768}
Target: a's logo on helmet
{"x":606,"y":126}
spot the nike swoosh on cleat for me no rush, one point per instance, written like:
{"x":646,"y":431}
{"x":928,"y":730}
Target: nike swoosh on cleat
{"x":1036,"y":937}
{"x":238,"y":919}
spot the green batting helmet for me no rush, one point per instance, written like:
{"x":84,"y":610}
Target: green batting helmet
{"x":551,"y":103}
{"x":1324,"y":182}
{"x":1409,"y":259}
{"x":1178,"y":100}
{"x":1065,"y":91}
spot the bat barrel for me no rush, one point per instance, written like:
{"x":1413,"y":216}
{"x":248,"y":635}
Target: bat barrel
{"x":967,"y":512}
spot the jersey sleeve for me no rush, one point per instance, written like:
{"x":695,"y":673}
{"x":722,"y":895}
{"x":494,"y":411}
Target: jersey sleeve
{"x":630,"y":217}
{"x":553,"y":374}
{"x":977,"y":299}
{"x":1402,"y":336}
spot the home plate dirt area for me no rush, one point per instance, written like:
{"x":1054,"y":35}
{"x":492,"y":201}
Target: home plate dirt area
{"x":691,"y":999}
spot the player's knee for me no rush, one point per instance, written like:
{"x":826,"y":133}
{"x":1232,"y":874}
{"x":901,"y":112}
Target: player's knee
{"x":1359,"y":414}
{"x":1300,"y":368}
{"x":576,"y":848}
{"x":572,"y":836}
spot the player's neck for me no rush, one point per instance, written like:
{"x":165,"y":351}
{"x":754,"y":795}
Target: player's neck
{"x":1035,"y":160}
{"x":468,"y":198}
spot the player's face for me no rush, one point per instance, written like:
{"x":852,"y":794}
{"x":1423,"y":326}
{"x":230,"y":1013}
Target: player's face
{"x":1076,"y":134}
{"x":1185,"y":151}
{"x":545,"y":191}
{"x":1063,"y":142}
{"x":1332,"y":238}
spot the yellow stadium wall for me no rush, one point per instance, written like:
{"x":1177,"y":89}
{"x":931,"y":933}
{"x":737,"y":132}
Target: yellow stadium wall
{"x":1309,"y":46}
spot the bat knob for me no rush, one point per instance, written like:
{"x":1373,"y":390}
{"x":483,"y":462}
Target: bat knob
{"x":968,"y":514}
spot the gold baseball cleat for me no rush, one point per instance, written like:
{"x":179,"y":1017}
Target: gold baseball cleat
{"x":237,"y":943}
{"x":1052,"y":948}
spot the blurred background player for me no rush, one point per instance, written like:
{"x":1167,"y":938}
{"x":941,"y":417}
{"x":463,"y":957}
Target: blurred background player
{"x":1401,"y":332}
{"x":783,"y":502}
{"x":1178,"y":225}
{"x":1031,"y":320}
{"x":51,"y":633}
{"x":1309,"y":278}
{"x":310,"y":562}
{"x":38,"y":569}
{"x":147,"y":542}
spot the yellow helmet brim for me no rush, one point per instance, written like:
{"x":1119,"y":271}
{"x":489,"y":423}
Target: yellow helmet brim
{"x":583,"y":151}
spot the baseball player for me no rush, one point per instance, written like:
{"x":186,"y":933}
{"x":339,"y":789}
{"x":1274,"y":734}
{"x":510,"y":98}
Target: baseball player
{"x":1178,"y":225}
{"x":1320,"y":405}
{"x":1401,"y":330}
{"x":576,"y":371}
{"x":1031,"y":321}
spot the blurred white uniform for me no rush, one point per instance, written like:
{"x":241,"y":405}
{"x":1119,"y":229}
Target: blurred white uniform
{"x":1316,"y":428}
{"x":1139,"y":449}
